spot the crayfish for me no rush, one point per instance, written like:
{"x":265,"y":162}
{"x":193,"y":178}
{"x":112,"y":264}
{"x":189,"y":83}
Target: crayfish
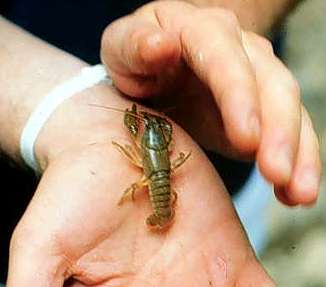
{"x":152,"y":154}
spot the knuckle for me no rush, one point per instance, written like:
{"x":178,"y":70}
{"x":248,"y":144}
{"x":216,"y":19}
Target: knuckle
{"x":286,"y":84}
{"x":262,"y":42}
{"x":223,"y":16}
{"x":265,"y":44}
{"x":229,"y":16}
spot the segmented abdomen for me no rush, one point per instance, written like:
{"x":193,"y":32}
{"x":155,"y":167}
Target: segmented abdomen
{"x":160,"y":193}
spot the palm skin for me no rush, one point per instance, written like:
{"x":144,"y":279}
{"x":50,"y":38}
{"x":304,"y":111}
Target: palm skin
{"x":75,"y":233}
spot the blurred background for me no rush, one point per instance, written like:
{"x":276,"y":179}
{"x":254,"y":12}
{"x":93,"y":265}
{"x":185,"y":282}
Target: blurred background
{"x":296,"y":252}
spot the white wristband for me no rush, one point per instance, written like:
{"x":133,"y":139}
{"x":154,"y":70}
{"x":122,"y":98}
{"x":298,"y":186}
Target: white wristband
{"x":88,"y":77}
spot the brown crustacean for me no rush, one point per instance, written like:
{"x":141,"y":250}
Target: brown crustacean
{"x":152,"y":154}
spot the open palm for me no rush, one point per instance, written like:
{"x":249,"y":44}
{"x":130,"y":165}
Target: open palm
{"x":74,"y":233}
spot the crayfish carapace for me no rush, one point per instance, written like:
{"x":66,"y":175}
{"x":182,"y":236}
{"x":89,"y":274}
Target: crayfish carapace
{"x":152,"y":153}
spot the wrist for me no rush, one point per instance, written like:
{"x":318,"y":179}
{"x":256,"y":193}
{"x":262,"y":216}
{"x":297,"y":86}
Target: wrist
{"x":76,"y":124}
{"x":30,"y":68}
{"x":20,"y":103}
{"x":21,"y":107}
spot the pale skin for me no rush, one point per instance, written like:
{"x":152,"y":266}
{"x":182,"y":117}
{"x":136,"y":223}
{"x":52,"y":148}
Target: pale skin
{"x":73,"y":226}
{"x":226,"y":80}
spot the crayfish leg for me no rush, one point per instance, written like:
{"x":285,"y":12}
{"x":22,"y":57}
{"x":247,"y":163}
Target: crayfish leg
{"x":174,"y":197}
{"x":130,"y":191}
{"x":130,"y":153}
{"x":180,"y":160}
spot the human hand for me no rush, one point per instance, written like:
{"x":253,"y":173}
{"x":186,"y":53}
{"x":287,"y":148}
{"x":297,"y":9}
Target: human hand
{"x":74,"y":233}
{"x":229,"y":90}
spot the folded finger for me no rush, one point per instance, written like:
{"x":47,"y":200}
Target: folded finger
{"x":305,"y":182}
{"x":136,"y":50}
{"x":281,"y":115}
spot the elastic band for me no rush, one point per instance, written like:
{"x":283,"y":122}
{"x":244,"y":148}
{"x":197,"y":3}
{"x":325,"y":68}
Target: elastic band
{"x":88,"y":77}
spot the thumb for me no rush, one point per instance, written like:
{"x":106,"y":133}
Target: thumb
{"x":138,"y":53}
{"x":31,"y":265}
{"x":36,"y":258}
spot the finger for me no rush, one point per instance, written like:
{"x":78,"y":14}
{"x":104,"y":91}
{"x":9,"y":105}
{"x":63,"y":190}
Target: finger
{"x":281,"y":115}
{"x":305,"y":182}
{"x":217,"y":57}
{"x":282,"y":195}
{"x":137,"y":52}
